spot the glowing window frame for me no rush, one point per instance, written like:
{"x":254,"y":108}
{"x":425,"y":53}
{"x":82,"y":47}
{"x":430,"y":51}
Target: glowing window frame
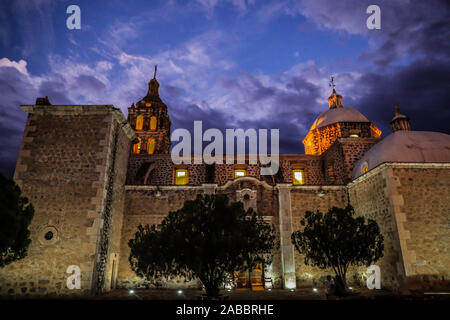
{"x":153,"y":123}
{"x":150,"y":140}
{"x":137,"y":146}
{"x":139,"y":122}
{"x":239,"y":173}
{"x":295,"y":180}
{"x":185,"y":177}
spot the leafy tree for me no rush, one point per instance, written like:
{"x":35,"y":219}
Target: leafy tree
{"x":209,"y":238}
{"x":337,"y":240}
{"x":16,"y":213}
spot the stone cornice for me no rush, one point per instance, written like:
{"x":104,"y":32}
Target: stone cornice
{"x":94,"y":109}
{"x":386,"y":165}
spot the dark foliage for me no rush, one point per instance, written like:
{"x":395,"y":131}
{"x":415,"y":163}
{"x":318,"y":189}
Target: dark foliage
{"x":209,"y":238}
{"x":337,"y":240}
{"x":16,"y":213}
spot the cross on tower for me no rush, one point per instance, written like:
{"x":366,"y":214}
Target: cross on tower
{"x":332,"y":85}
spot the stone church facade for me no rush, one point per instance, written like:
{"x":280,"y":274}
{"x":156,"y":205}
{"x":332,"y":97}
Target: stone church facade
{"x":93,"y":176}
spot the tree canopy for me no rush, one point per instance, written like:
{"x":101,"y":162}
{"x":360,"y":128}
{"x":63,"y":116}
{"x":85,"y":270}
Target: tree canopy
{"x":208,"y":238}
{"x":16,"y":213}
{"x":338,"y":239}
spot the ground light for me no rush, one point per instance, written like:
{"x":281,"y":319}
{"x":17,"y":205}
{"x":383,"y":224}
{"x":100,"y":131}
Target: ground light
{"x":180,"y":291}
{"x":131,"y":291}
{"x":315,"y":289}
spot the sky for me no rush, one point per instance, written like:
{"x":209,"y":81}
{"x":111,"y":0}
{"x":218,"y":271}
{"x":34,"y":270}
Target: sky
{"x":232,"y":64}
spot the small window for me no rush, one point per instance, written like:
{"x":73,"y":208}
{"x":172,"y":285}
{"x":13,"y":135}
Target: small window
{"x":152,"y":123}
{"x":151,"y":145}
{"x":239,"y":173}
{"x":139,"y":122}
{"x":148,"y":104}
{"x":137,"y":146}
{"x":364,"y":167}
{"x":298,"y":176}
{"x":181,"y":176}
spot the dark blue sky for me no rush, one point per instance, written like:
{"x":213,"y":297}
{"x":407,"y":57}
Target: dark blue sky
{"x":250,"y":64}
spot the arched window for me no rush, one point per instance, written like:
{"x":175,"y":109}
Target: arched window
{"x":151,"y":145}
{"x":152,"y":123}
{"x":139,"y":122}
{"x":137,"y":146}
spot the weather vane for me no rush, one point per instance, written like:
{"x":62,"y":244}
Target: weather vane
{"x":156,"y":68}
{"x":332,"y":85}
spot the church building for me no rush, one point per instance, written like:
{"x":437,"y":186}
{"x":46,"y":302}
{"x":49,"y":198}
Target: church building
{"x":93,"y":176}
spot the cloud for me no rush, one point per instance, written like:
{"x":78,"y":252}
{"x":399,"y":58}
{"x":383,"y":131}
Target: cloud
{"x":20,"y":66}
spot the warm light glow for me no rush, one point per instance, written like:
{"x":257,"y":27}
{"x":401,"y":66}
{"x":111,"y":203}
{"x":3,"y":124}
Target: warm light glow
{"x":298,"y":176}
{"x":239,"y":173}
{"x":137,"y":146}
{"x":181,"y":176}
{"x":151,"y":145}
{"x":354,"y":136}
{"x":364,"y":167}
{"x":152,"y":123}
{"x":148,"y":104}
{"x":139,"y":122}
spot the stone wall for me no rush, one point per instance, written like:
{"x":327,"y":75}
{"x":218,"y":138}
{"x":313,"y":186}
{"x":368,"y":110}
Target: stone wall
{"x":148,"y":205}
{"x":312,"y":198}
{"x":411,"y":203}
{"x":62,"y":169}
{"x":371,"y":197}
{"x":422,"y":197}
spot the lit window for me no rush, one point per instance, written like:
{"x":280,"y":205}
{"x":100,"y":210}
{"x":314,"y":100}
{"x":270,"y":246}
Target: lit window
{"x":354,"y":135}
{"x":139,"y":122}
{"x":239,"y":173}
{"x":151,"y":146}
{"x":298,"y":176}
{"x":181,"y":176}
{"x":364,"y":167}
{"x":137,"y":146}
{"x":148,"y":104}
{"x":152,"y":123}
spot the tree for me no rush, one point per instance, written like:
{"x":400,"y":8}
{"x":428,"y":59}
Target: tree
{"x":208,"y":238}
{"x":337,"y":240}
{"x":16,"y":213}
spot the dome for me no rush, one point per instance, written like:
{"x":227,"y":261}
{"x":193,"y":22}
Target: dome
{"x":406,"y":146}
{"x":342,"y":114}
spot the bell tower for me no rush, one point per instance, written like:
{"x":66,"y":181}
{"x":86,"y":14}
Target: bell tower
{"x":150,"y":120}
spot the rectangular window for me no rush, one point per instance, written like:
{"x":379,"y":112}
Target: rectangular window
{"x":298,"y":176}
{"x":181,"y":176}
{"x":239,"y":173}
